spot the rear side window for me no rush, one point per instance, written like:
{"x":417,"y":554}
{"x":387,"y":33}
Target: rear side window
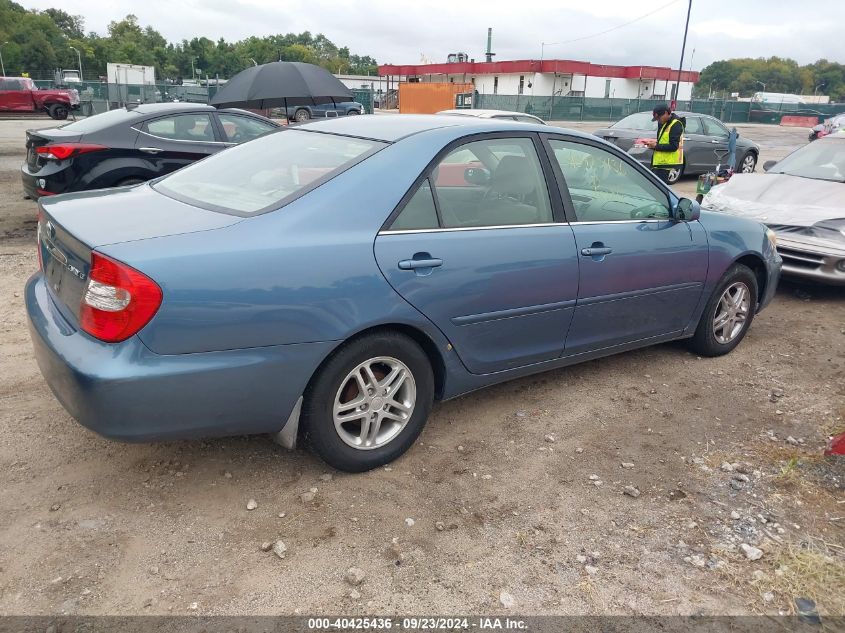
{"x":419,"y":213}
{"x":239,"y":129}
{"x":11,"y":84}
{"x":266,"y":173}
{"x":182,"y":127}
{"x":693,"y":125}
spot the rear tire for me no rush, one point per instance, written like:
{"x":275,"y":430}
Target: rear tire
{"x":728,"y":314}
{"x":58,"y":111}
{"x":369,"y":402}
{"x":675,"y":174}
{"x":352,"y":113}
{"x":301,"y":115}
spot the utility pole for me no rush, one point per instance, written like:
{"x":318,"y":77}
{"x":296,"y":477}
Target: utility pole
{"x":2,"y":65}
{"x":681,"y":65}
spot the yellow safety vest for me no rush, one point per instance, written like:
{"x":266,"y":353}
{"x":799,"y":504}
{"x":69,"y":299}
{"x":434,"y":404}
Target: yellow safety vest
{"x":668,"y":160}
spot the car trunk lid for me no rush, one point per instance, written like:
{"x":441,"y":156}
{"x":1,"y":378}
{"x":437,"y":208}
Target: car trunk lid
{"x":70,"y":227}
{"x":39,"y":138}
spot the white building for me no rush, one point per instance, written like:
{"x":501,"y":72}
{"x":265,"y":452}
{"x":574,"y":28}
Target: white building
{"x":560,"y":77}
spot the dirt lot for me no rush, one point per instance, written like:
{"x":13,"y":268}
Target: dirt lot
{"x":525,"y":481}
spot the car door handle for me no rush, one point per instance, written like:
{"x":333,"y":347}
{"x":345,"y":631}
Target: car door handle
{"x":596,"y":252}
{"x":150,"y":150}
{"x":414,"y":264}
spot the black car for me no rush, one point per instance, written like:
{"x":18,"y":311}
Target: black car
{"x":705,"y":141}
{"x":130,"y":145}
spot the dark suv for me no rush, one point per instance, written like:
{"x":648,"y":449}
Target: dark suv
{"x":130,"y":145}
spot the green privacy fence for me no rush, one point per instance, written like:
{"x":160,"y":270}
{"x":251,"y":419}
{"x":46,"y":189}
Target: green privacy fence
{"x":593,"y":109}
{"x":96,"y":97}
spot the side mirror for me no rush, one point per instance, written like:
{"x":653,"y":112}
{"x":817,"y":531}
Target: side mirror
{"x":477,"y":176}
{"x":769,"y":164}
{"x":687,"y":210}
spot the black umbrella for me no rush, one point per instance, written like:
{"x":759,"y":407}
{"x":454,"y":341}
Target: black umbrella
{"x":281,"y":84}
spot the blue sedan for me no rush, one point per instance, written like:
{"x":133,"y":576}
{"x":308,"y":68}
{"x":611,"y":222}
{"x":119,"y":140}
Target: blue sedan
{"x":328,"y":283}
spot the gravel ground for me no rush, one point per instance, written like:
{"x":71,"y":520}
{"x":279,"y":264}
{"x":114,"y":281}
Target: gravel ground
{"x":653,"y":482}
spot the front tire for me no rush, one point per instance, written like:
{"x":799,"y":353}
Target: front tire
{"x":369,"y":402}
{"x":728,"y":314}
{"x":748,"y":164}
{"x":58,"y":111}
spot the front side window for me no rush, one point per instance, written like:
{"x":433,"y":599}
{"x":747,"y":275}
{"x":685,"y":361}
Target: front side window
{"x":496,"y":182}
{"x":714,"y":128}
{"x":266,"y":173}
{"x":182,"y":127}
{"x":605,"y":188}
{"x":239,"y":129}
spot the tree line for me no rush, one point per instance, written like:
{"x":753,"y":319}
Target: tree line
{"x":38,"y":42}
{"x":773,"y":74}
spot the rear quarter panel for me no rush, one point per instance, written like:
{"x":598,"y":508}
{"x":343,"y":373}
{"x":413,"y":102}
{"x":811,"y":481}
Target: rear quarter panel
{"x":305,"y":273}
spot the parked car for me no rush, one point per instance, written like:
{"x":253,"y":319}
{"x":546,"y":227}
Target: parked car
{"x":802,"y":198}
{"x":20,"y":94}
{"x":704,"y":138}
{"x":496,"y":114}
{"x":332,"y":280}
{"x":305,"y":112}
{"x":130,"y":145}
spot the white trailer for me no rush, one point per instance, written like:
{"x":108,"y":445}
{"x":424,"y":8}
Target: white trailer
{"x":131,"y":83}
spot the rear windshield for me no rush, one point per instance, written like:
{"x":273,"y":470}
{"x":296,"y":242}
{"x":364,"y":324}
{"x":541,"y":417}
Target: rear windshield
{"x":638,"y":121}
{"x":100,"y":121}
{"x":266,"y":173}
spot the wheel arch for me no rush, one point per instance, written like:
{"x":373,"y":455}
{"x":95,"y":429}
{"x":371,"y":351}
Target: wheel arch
{"x":429,"y":347}
{"x":758,"y":267}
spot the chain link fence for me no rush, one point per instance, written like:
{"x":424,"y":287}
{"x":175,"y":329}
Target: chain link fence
{"x":96,"y":97}
{"x":594,"y":109}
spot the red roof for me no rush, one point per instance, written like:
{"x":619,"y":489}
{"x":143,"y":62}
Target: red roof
{"x":526,"y":66}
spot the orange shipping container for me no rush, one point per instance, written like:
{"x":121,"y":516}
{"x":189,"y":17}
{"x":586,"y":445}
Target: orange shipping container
{"x":422,"y":98}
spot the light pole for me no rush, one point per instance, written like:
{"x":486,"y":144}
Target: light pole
{"x":674,"y":102}
{"x":79,"y":59}
{"x":2,"y":65}
{"x":193,"y":72}
{"x":815,"y":92}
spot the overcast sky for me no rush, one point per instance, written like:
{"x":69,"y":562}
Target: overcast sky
{"x":402,"y":32}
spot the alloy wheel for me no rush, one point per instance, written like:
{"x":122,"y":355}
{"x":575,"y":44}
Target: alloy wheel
{"x":731,"y":313}
{"x":748,"y":164}
{"x":374,"y":403}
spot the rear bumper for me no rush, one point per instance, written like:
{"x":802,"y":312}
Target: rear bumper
{"x":40,"y":184}
{"x":126,"y":392}
{"x":812,"y":262}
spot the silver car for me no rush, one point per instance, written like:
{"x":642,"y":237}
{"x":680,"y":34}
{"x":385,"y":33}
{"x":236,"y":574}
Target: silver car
{"x":704,"y":138}
{"x":802,"y":198}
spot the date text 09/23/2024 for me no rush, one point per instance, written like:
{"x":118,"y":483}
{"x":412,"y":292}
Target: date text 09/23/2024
{"x":416,"y":624}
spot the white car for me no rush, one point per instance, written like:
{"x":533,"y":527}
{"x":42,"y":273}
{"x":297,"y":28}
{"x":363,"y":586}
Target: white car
{"x":497,"y":114}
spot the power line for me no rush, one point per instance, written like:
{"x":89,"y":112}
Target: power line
{"x":620,"y":26}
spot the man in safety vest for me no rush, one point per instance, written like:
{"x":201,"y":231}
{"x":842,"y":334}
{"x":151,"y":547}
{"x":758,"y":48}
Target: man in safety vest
{"x":669,"y":145}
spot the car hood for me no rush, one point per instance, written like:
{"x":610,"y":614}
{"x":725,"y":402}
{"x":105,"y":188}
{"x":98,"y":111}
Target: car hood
{"x":778,"y":199}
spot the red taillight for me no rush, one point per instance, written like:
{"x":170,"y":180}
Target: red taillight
{"x":39,"y":220}
{"x":118,"y":300}
{"x":61,"y":151}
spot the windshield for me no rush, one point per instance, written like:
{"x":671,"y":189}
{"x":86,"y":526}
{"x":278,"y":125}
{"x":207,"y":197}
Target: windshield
{"x":821,"y":160}
{"x":265,"y":173}
{"x":638,"y":121}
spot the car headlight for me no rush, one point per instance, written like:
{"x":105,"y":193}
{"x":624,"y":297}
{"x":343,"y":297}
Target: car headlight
{"x":772,"y":237}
